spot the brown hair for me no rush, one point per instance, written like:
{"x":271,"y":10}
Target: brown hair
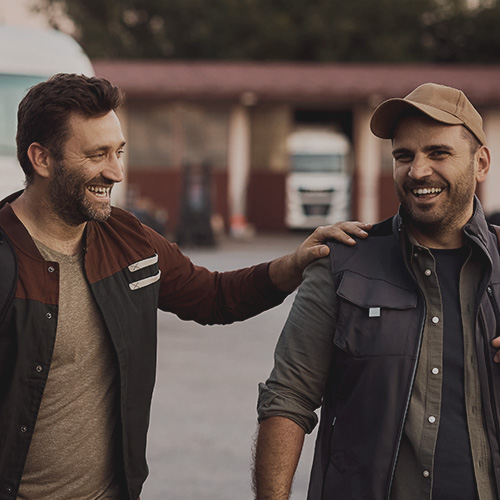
{"x":44,"y":112}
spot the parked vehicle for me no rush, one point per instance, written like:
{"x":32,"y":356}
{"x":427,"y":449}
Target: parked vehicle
{"x":318,"y":185}
{"x":27,"y":57}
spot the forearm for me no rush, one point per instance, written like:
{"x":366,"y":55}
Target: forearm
{"x":193,"y":292}
{"x":277,"y":453}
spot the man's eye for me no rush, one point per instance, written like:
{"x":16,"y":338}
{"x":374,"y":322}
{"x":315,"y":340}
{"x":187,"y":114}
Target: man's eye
{"x":403,"y":158}
{"x":439,"y":154}
{"x":120,"y":153}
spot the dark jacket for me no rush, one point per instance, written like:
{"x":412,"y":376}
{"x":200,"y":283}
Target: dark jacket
{"x":371,"y":378}
{"x":132,"y":271}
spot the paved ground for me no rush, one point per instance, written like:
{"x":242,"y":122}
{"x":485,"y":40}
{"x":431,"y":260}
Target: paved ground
{"x":203,"y":417}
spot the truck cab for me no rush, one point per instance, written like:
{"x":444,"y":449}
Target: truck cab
{"x":318,"y":185}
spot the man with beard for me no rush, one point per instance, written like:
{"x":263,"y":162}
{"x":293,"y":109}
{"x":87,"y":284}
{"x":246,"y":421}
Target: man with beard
{"x":397,"y":337}
{"x":80,"y":286}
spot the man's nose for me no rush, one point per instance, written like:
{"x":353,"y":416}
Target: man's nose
{"x":114,"y":169}
{"x":420,"y":168}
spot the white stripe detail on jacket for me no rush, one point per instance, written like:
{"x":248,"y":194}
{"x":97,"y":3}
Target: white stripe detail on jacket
{"x":143,"y":263}
{"x":145,"y":282}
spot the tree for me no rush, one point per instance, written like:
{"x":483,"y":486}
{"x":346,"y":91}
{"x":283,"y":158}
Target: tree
{"x":303,"y":30}
{"x":469,"y":36}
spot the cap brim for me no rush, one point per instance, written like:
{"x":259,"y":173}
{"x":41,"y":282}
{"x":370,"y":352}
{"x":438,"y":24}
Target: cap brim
{"x":386,"y":116}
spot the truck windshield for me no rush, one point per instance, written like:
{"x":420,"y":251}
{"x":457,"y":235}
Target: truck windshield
{"x":12,"y":90}
{"x":303,"y":162}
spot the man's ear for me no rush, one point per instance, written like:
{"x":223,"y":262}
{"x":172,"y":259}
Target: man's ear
{"x":40,"y":159}
{"x":483,"y":160}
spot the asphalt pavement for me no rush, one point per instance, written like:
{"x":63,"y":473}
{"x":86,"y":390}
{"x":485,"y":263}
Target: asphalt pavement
{"x":203,"y":418}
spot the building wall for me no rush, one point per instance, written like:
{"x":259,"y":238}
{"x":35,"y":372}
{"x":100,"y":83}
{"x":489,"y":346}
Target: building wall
{"x":489,"y":189}
{"x":165,"y":136}
{"x":270,"y":126}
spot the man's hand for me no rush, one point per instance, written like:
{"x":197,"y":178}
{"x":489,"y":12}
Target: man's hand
{"x":286,"y":272}
{"x":496,"y":344}
{"x":314,"y":247}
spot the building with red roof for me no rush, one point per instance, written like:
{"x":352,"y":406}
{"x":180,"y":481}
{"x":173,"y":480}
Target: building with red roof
{"x":236,"y":117}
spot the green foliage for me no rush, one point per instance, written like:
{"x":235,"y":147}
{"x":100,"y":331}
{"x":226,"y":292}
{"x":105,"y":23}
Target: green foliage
{"x":301,"y":30}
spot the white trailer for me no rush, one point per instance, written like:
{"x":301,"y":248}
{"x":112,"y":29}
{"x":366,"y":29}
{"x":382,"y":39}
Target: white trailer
{"x":318,"y":187}
{"x":27,"y":57}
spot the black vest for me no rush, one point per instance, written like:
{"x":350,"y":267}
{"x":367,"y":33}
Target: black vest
{"x":377,"y":343}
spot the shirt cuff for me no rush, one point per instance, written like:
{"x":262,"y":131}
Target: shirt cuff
{"x":272,"y":404}
{"x":265,"y":286}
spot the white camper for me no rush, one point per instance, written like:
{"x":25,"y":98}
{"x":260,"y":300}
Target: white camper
{"x":27,"y":57}
{"x":319,"y":180}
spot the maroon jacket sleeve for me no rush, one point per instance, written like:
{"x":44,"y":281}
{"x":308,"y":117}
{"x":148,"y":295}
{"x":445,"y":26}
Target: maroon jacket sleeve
{"x":194,"y":293}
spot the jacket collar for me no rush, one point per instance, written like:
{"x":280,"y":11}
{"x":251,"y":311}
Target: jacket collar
{"x":10,"y":198}
{"x":15,"y":230}
{"x":476,"y":228}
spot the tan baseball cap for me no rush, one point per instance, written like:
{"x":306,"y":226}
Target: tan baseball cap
{"x":444,"y":104}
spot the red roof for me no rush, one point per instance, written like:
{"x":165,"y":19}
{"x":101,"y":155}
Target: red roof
{"x":306,"y":82}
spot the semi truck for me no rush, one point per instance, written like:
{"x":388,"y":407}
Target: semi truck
{"x":318,"y":184}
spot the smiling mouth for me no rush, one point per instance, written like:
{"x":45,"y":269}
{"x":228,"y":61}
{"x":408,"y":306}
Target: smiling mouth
{"x":100,"y":192}
{"x":426,"y":191}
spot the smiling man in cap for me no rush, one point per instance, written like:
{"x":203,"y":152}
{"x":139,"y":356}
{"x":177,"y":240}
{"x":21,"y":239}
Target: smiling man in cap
{"x":396,"y":337}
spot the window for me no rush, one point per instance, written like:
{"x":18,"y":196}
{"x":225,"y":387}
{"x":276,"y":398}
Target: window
{"x":318,"y":162}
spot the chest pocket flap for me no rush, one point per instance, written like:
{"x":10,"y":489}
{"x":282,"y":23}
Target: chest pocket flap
{"x":374,"y":316}
{"x":368,"y":292}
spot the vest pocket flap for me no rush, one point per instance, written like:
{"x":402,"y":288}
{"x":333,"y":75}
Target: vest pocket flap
{"x":375,"y":293}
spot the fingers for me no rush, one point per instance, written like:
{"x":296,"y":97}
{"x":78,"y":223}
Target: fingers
{"x":496,"y":344}
{"x":343,"y":232}
{"x":320,"y":251}
{"x":306,"y":255}
{"x":355,"y":228}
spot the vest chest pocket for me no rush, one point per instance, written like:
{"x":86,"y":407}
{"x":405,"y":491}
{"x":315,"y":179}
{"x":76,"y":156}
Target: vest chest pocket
{"x":374,"y":316}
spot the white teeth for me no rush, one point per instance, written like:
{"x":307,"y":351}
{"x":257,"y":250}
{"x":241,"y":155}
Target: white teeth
{"x":422,"y":191}
{"x":101,"y":191}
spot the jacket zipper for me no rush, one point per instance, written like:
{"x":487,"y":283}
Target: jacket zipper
{"x":494,"y":304}
{"x":412,"y":383}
